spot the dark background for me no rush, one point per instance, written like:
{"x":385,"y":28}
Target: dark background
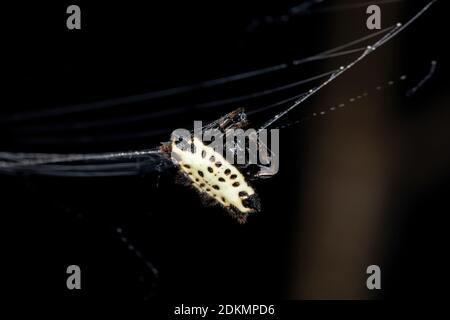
{"x":201,"y":253}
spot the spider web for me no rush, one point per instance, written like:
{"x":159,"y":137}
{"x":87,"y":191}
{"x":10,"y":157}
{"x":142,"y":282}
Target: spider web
{"x":151,"y":160}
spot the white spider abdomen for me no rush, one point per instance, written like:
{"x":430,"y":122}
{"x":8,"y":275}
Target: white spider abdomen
{"x":212,"y":175}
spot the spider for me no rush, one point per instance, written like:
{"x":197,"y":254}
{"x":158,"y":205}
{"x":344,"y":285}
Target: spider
{"x":216,"y":179}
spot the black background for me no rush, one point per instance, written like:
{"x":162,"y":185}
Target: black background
{"x":201,"y":253}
